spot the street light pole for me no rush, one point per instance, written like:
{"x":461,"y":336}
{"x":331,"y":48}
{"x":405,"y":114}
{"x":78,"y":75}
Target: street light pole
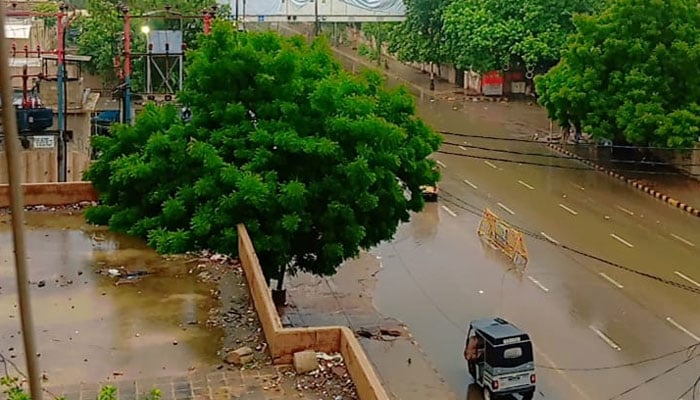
{"x":9,"y":122}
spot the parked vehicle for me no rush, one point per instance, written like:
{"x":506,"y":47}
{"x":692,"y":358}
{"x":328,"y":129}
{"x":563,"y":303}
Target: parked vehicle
{"x":500,"y":359}
{"x":430,"y":193}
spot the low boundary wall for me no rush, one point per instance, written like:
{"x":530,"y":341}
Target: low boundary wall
{"x":51,"y":194}
{"x":284,"y":342}
{"x":652,"y":192}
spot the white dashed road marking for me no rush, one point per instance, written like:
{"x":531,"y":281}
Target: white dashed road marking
{"x":572,"y":211}
{"x":605,"y":338}
{"x":470,"y":184}
{"x":538,"y":284}
{"x":526,"y":185}
{"x":503,"y":206}
{"x":490,"y":164}
{"x":683,"y":329}
{"x":687,"y":278}
{"x":680,"y":239}
{"x":624,"y":210}
{"x":611,"y":280}
{"x":551,"y":239}
{"x":442,"y":164}
{"x":621,"y":240}
{"x":463,"y":148}
{"x":452,"y":213}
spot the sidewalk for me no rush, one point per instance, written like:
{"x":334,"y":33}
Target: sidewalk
{"x":346,"y":299}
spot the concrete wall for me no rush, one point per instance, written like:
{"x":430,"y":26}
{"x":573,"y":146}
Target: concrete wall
{"x":51,"y":194}
{"x":284,"y":342}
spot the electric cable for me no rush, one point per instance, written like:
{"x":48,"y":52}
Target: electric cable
{"x":564,"y":157}
{"x":558,"y":165}
{"x":653,"y":378}
{"x":614,"y":146}
{"x":692,"y":388}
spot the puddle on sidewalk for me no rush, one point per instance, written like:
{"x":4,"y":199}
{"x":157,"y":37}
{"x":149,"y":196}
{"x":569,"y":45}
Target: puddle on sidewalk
{"x":89,"y":329}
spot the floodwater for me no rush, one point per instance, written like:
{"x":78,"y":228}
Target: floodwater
{"x":87,"y":328}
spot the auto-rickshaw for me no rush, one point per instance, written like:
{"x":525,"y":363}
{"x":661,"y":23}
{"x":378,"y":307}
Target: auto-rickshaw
{"x":500,"y":358}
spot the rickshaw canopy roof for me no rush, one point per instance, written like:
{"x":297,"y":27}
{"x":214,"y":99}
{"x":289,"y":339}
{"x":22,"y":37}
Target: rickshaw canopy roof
{"x":498,"y":331}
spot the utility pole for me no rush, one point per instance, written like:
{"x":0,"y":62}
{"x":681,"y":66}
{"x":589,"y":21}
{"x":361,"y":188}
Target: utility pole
{"x":9,"y":122}
{"x":317,"y":28}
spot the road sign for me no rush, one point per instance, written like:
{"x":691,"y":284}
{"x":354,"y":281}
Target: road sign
{"x":261,"y":18}
{"x":44,"y":142}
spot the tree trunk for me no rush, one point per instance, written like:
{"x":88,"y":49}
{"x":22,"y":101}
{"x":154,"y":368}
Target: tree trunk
{"x":280,"y":278}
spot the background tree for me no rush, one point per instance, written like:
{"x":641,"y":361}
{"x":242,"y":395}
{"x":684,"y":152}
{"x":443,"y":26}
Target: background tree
{"x":630,"y":74}
{"x":421,"y":38}
{"x":379,"y":33}
{"x":496,"y":34}
{"x":316,"y":162}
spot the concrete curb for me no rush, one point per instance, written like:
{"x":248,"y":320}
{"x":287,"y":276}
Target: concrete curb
{"x":652,"y":192}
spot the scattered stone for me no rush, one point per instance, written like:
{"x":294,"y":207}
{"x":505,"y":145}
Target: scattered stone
{"x":305,"y":361}
{"x":41,"y":283}
{"x":391,"y":332}
{"x":240,"y":356}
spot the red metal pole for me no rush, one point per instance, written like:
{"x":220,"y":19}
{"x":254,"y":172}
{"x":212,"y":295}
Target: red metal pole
{"x":61,"y":51}
{"x":207,"y":22}
{"x":127,"y":44}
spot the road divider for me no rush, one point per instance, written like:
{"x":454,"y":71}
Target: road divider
{"x":621,"y":240}
{"x":501,"y":235}
{"x":526,"y":185}
{"x":687,"y":278}
{"x":606,"y":339}
{"x":683,"y":329}
{"x":641,"y":186}
{"x":611,"y":280}
{"x":508,"y":210}
{"x":572,"y":211}
{"x":447,"y":209}
{"x":470,"y":184}
{"x":538,"y":284}
{"x":490,"y":164}
{"x":683,"y":240}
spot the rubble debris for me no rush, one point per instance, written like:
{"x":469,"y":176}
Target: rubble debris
{"x":330,"y":380}
{"x":240,"y":356}
{"x":305,"y":361}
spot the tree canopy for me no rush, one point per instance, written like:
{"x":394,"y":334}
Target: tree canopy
{"x":316,"y":162}
{"x":420,"y":38}
{"x":629,"y":74}
{"x":497,"y":34}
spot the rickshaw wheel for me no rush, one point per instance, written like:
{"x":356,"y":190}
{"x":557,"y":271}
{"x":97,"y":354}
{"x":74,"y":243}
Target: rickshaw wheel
{"x":487,"y":394}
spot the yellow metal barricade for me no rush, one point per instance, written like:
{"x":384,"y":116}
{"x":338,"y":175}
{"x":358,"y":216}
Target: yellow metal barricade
{"x":501,"y":235}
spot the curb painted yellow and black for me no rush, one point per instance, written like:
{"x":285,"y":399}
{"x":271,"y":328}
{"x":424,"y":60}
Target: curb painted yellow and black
{"x":661,"y":196}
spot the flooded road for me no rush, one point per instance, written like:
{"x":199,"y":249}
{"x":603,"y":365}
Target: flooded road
{"x":580,"y":312}
{"x":88,"y":328}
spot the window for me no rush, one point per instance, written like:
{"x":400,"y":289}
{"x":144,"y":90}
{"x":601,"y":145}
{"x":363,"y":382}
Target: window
{"x":513,"y":352}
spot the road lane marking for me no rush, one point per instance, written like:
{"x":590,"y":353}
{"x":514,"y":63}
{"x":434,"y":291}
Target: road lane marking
{"x":562,"y":373}
{"x":611,"y":280}
{"x":551,"y":239}
{"x":621,"y":240}
{"x":538,"y":284}
{"x":687,"y":278}
{"x":624,"y":210}
{"x":605,"y":338}
{"x":452,"y":213}
{"x":470,"y":184}
{"x":490,"y":164}
{"x":463,"y":148}
{"x":680,"y":239}
{"x":526,"y":185}
{"x":683,"y":329}
{"x":574,"y":212}
{"x":503,"y":206}
{"x":442,"y":164}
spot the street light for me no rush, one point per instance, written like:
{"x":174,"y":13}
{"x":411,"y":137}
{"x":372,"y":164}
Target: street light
{"x":146,"y":30}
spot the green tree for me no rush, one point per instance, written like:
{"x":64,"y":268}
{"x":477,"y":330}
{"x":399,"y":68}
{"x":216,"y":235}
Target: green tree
{"x":629,"y":74}
{"x":421,"y":38}
{"x":316,"y":162}
{"x":497,"y":34}
{"x":48,"y":7}
{"x":379,"y":33}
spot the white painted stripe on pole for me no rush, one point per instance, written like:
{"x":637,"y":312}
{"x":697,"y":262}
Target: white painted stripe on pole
{"x":442,"y":164}
{"x":470,"y":184}
{"x":611,"y":280}
{"x":605,"y":338}
{"x":624,"y":210}
{"x":490,"y":164}
{"x":538,"y":284}
{"x":463,"y":148}
{"x":551,"y":239}
{"x":683,"y":329}
{"x":526,"y":185}
{"x":452,"y":213}
{"x":621,"y":240}
{"x":681,"y":239}
{"x":503,"y":206}
{"x":572,"y":211}
{"x":687,"y":278}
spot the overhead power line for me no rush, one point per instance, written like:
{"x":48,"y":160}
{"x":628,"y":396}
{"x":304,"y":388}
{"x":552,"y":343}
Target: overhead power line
{"x":655,"y":377}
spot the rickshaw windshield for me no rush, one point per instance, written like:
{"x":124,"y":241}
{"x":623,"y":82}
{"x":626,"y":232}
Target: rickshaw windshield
{"x":509,"y":356}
